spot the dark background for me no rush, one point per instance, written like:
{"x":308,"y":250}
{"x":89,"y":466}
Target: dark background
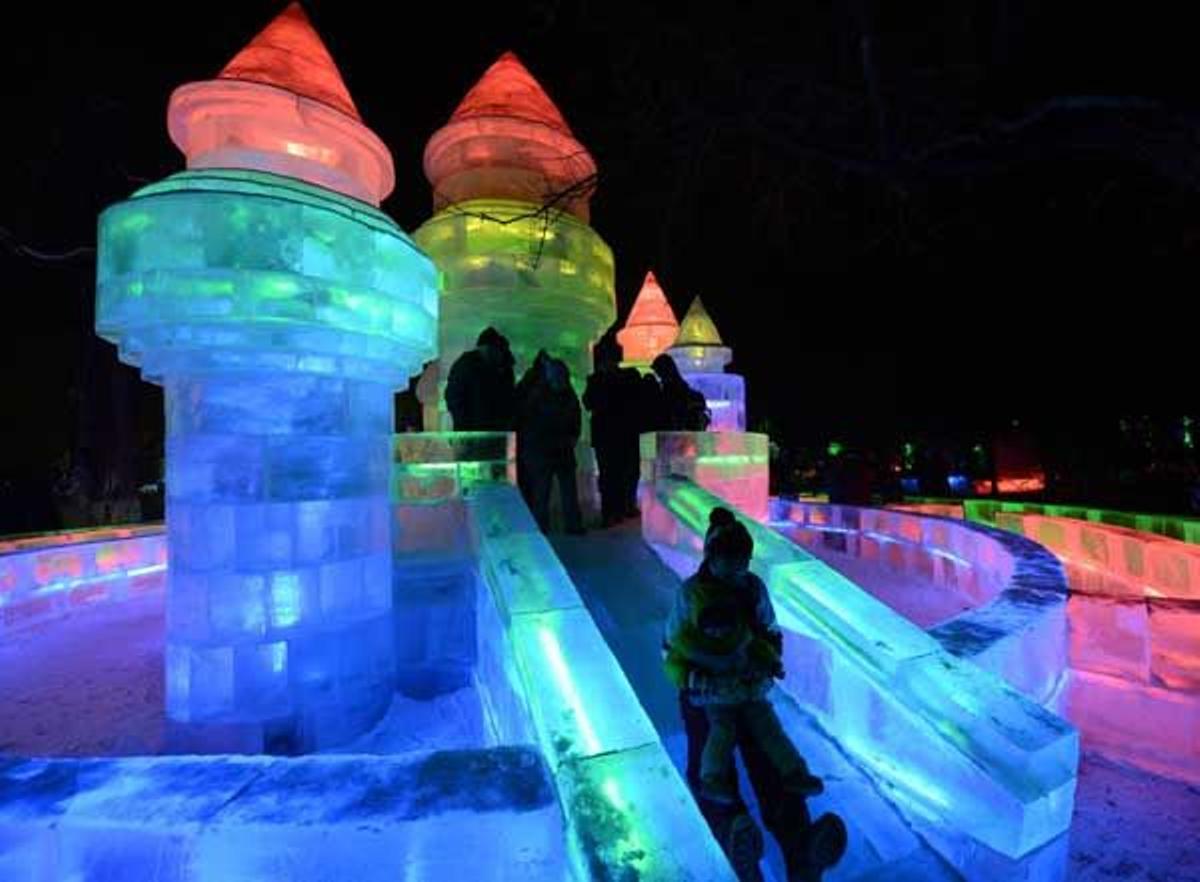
{"x":915,"y":221}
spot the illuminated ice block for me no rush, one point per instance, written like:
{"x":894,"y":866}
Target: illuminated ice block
{"x":651,"y":327}
{"x":1175,"y":645}
{"x":956,"y":745}
{"x":489,"y":815}
{"x":634,"y":818}
{"x":732,"y":465}
{"x":546,"y":673}
{"x":511,"y":188}
{"x":280,"y":106}
{"x":701,"y":357}
{"x":54,"y":574}
{"x":1153,"y":728}
{"x":1135,"y":623}
{"x":507,"y":140}
{"x":279,"y":314}
{"x":436,"y":578}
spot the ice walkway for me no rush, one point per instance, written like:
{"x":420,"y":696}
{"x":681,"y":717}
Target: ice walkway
{"x":628,"y":591}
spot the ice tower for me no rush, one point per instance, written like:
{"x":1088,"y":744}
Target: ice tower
{"x":279,"y":308}
{"x":511,"y":186}
{"x":651,"y":327}
{"x":701,"y":358}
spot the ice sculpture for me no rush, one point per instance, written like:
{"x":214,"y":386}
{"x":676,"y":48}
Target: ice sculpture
{"x":279,"y":313}
{"x":511,"y":187}
{"x":732,"y":465}
{"x":1014,"y":591}
{"x":280,"y":106}
{"x":45,"y":576}
{"x":1134,"y":616}
{"x":701,"y":358}
{"x":957,"y":747}
{"x":651,"y":327}
{"x":627,"y":808}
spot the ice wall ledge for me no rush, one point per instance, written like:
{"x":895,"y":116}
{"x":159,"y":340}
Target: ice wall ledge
{"x":1017,"y":589}
{"x":444,"y":814}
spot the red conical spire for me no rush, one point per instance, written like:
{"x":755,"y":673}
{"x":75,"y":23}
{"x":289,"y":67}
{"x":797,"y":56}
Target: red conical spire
{"x":507,"y":140}
{"x":280,"y":106}
{"x":508,"y":89}
{"x":289,"y":53}
{"x":651,"y":327}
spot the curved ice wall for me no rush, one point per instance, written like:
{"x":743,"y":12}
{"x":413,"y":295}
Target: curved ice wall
{"x":278,"y":316}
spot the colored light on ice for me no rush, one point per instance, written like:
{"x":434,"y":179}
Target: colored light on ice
{"x":279,"y":309}
{"x":507,"y":140}
{"x":651,"y":327}
{"x":500,"y":269}
{"x":280,"y":106}
{"x":973,"y":754}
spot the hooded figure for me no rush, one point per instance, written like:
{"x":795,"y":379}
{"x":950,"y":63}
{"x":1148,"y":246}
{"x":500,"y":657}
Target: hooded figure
{"x":479,"y":390}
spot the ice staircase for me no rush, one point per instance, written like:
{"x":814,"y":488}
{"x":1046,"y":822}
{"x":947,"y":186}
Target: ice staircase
{"x":628,"y":591}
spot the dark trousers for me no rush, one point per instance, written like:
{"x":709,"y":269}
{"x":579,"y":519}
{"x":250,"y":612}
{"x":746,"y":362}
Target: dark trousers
{"x":539,"y":477}
{"x":609,"y":481}
{"x":784,"y":815}
{"x":618,"y":478}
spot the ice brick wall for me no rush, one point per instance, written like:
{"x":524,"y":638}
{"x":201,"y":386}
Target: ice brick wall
{"x":1134,"y":621}
{"x":279,"y":316}
{"x":733,"y":465}
{"x":57,"y":573}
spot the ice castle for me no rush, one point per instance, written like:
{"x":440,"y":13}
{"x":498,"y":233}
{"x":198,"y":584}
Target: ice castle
{"x":377,"y":667}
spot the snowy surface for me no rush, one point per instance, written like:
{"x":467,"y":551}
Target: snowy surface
{"x":90,"y":684}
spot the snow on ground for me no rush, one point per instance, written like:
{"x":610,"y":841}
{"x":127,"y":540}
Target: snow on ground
{"x":85,"y":685}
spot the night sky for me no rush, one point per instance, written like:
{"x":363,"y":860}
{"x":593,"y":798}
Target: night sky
{"x":932,"y":214}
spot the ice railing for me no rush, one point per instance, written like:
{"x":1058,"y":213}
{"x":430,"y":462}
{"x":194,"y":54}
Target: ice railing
{"x":51,"y":574}
{"x":1015,"y":590}
{"x":1134,"y":649}
{"x":957,"y":748}
{"x":466,"y":542}
{"x":1171,"y":526}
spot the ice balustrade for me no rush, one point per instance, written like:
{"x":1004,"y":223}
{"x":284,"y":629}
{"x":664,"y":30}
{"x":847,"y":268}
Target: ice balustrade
{"x":1134,"y":623}
{"x":961,"y":751}
{"x":1015,"y":591}
{"x":539,"y":663}
{"x":48,"y":575}
{"x":733,"y":465}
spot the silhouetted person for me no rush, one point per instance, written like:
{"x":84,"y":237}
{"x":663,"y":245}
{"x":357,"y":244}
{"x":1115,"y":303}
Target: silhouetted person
{"x":809,"y":847}
{"x":549,"y":420}
{"x":612,"y":395}
{"x":683,"y":409}
{"x":479,"y":390}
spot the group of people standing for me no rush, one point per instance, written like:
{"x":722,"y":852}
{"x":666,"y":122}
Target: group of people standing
{"x":722,"y":647}
{"x":482,"y":394}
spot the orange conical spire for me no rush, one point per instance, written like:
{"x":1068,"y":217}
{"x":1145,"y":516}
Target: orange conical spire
{"x":507,"y":140}
{"x":651,"y":326}
{"x":290,"y":54}
{"x":508,"y":89}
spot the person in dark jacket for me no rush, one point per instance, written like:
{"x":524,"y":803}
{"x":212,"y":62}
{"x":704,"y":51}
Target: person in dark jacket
{"x":612,"y":397}
{"x":809,"y":847}
{"x":683,"y":408}
{"x":479,"y":390}
{"x":549,"y":421}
